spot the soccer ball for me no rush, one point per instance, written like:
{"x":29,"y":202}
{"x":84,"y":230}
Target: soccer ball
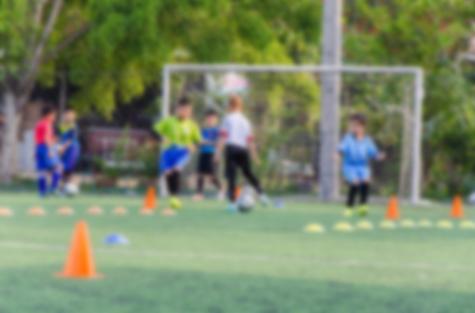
{"x":246,"y":203}
{"x":71,"y":189}
{"x":471,"y":198}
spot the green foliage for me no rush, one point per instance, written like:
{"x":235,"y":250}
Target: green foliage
{"x":129,"y":41}
{"x":126,"y":43}
{"x":430,"y":34}
{"x":123,"y":53}
{"x":15,"y":29}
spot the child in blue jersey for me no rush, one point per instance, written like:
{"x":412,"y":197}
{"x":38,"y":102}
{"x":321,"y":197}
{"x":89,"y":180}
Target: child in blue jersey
{"x":357,"y":150}
{"x":207,"y":150}
{"x":69,"y":140}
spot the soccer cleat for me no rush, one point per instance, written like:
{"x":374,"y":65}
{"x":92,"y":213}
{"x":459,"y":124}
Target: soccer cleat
{"x":348,"y":213}
{"x":232,"y":208}
{"x":175,"y":203}
{"x":363,"y":210}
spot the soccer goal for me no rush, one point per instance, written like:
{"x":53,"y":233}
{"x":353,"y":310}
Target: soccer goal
{"x":283,"y":101}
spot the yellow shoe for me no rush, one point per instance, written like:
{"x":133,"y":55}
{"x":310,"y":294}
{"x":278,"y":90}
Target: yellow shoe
{"x":348,"y":213}
{"x":175,"y":203}
{"x":363,"y":210}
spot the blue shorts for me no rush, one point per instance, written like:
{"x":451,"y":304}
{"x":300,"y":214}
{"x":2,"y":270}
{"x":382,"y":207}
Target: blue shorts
{"x":174,"y":157}
{"x":44,"y":160}
{"x":356,"y":173}
{"x":70,"y":157}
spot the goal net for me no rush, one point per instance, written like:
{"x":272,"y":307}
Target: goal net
{"x":284,"y":105}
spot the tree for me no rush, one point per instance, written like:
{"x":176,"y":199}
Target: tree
{"x":123,"y":53}
{"x":429,"y":34}
{"x":120,"y":46}
{"x":29,"y":41}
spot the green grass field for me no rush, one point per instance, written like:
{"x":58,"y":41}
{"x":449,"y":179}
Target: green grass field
{"x":205,"y":260}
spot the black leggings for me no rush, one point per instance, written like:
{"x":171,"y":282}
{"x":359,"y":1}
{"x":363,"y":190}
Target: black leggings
{"x":206,"y":168}
{"x":238,"y":158}
{"x":173,"y":182}
{"x":362,"y":189}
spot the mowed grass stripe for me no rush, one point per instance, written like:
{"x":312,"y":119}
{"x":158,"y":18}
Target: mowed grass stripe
{"x":347,"y":263}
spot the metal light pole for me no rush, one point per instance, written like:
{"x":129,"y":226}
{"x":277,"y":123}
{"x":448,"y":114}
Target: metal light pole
{"x":330,"y":101}
{"x":162,"y":186}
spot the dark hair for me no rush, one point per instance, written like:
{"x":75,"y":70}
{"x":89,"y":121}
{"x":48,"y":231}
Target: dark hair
{"x":183,"y":102}
{"x":47,"y":110}
{"x":358,"y":118}
{"x":211,"y":112}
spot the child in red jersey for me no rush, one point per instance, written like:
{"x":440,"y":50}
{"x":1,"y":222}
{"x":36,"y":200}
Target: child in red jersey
{"x":47,"y":164}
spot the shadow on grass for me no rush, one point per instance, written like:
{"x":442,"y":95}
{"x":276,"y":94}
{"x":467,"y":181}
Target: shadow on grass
{"x":140,"y":290}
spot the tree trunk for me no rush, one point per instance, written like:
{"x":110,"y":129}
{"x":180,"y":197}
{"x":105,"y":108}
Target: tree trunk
{"x":63,"y":93}
{"x":9,"y":137}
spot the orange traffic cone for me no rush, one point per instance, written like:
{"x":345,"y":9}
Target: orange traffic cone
{"x":150,"y":201}
{"x":393,"y":209}
{"x":80,"y":262}
{"x":457,"y":207}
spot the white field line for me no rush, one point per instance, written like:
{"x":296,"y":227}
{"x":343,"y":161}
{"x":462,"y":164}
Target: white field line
{"x":348,"y":263}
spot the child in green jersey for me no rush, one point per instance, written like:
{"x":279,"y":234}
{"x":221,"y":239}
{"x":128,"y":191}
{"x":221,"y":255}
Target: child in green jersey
{"x":179,"y":135}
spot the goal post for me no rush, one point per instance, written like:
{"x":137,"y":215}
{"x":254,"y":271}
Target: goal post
{"x":416,"y":73}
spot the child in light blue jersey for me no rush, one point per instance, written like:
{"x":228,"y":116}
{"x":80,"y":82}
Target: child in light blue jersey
{"x":357,"y":150}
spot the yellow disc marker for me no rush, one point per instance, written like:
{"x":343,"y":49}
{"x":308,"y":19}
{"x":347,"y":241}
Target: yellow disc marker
{"x":408,"y":223}
{"x":445,"y":224}
{"x":343,"y":227}
{"x":314,"y":228}
{"x":364,"y":225}
{"x":387,"y":224}
{"x":425,"y":223}
{"x":467,"y":224}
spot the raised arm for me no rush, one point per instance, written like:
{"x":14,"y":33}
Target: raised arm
{"x":374,"y":151}
{"x":223,"y":134}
